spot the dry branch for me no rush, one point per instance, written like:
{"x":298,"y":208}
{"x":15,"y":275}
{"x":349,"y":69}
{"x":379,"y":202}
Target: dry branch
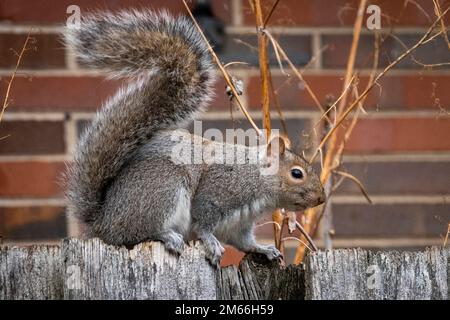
{"x":332,"y":157}
{"x":265,"y":99}
{"x":299,"y":76}
{"x":13,"y":76}
{"x":378,"y":77}
{"x":223,"y":71}
{"x":269,"y":15}
{"x":438,"y":11}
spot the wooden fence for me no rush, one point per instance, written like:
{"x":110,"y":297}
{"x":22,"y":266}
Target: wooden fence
{"x":89,"y":269}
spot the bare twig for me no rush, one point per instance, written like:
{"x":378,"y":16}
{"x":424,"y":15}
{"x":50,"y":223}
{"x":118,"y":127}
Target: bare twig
{"x":277,"y":53}
{"x":333,"y":106}
{"x":279,"y":241}
{"x":326,"y":218}
{"x":356,"y":181}
{"x":265,"y":84}
{"x":277,"y":225}
{"x":263,"y":66}
{"x":313,"y":215}
{"x":438,"y":11}
{"x":276,"y":100}
{"x":299,"y":240}
{"x":13,"y":76}
{"x":446,"y":236}
{"x":376,"y":55}
{"x":306,"y":235}
{"x":377,"y":78}
{"x":418,"y":6}
{"x":413,"y":58}
{"x":299,"y":76}
{"x":232,"y":63}
{"x":269,"y":15}
{"x":223,"y":71}
{"x":353,"y":50}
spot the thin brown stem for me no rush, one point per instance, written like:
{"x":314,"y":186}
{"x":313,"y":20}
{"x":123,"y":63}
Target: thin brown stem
{"x":356,"y":181}
{"x":334,"y":150}
{"x":265,"y":99}
{"x":438,"y":11}
{"x":333,"y":106}
{"x":306,"y":235}
{"x":263,"y":66}
{"x":277,"y":103}
{"x":223,"y":71}
{"x":300,"y":77}
{"x":272,"y":10}
{"x":377,"y":78}
{"x":446,"y":236}
{"x":13,"y":76}
{"x":299,"y":240}
{"x":353,"y":51}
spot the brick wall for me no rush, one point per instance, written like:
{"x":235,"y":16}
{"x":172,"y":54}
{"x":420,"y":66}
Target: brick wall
{"x":400,"y":150}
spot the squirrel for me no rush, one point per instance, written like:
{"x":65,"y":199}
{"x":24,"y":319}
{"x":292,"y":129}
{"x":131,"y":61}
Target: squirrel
{"x":123,"y":184}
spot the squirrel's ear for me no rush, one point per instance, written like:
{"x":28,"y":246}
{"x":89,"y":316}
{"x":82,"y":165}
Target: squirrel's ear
{"x":277,"y":145}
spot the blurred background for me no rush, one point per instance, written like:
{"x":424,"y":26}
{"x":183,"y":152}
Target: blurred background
{"x":400,"y":150}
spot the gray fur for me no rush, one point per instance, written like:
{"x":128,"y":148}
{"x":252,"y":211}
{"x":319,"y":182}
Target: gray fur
{"x":124,"y":184}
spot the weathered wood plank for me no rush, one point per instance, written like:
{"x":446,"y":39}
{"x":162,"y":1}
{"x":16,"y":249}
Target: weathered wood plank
{"x":147,"y":271}
{"x":360,"y":274}
{"x":338,"y":274}
{"x":258,"y":279}
{"x":30,"y":273}
{"x":90,"y":269}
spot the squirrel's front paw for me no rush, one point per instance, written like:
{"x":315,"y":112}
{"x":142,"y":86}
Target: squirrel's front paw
{"x":213,"y":249}
{"x":269,"y":251}
{"x":173,"y":241}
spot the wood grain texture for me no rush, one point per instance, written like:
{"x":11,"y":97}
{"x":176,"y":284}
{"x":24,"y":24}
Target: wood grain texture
{"x":147,"y":271}
{"x":360,"y":274}
{"x":90,"y":269}
{"x":30,"y":273}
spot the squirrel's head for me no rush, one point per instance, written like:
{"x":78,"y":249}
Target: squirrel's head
{"x":298,"y":185}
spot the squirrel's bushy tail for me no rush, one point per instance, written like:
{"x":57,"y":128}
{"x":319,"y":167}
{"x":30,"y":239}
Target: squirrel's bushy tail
{"x":173,"y":74}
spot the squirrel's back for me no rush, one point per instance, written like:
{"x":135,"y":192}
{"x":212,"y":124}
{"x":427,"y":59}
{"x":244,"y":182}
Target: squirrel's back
{"x":172,"y":75}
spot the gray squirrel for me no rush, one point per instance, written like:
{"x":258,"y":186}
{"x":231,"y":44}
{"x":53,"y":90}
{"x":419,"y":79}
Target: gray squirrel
{"x":124,"y":184}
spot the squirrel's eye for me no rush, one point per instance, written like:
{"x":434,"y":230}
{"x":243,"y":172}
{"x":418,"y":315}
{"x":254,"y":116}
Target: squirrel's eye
{"x":297,"y":173}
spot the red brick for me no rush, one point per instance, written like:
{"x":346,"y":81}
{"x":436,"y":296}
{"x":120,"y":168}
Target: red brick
{"x":297,"y":129}
{"x":338,"y":48}
{"x":59,"y":93}
{"x":44,"y":51}
{"x":390,"y":220}
{"x":241,"y":47}
{"x":290,"y":92}
{"x":48,"y":11}
{"x":75,"y":93}
{"x":399,"y":178}
{"x":399,"y":135}
{"x":32,"y":137}
{"x":88,"y":93}
{"x":413,"y":91}
{"x":231,"y":256}
{"x":335,"y":13}
{"x":364,"y":220}
{"x":32,"y":223}
{"x":30,"y":179}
